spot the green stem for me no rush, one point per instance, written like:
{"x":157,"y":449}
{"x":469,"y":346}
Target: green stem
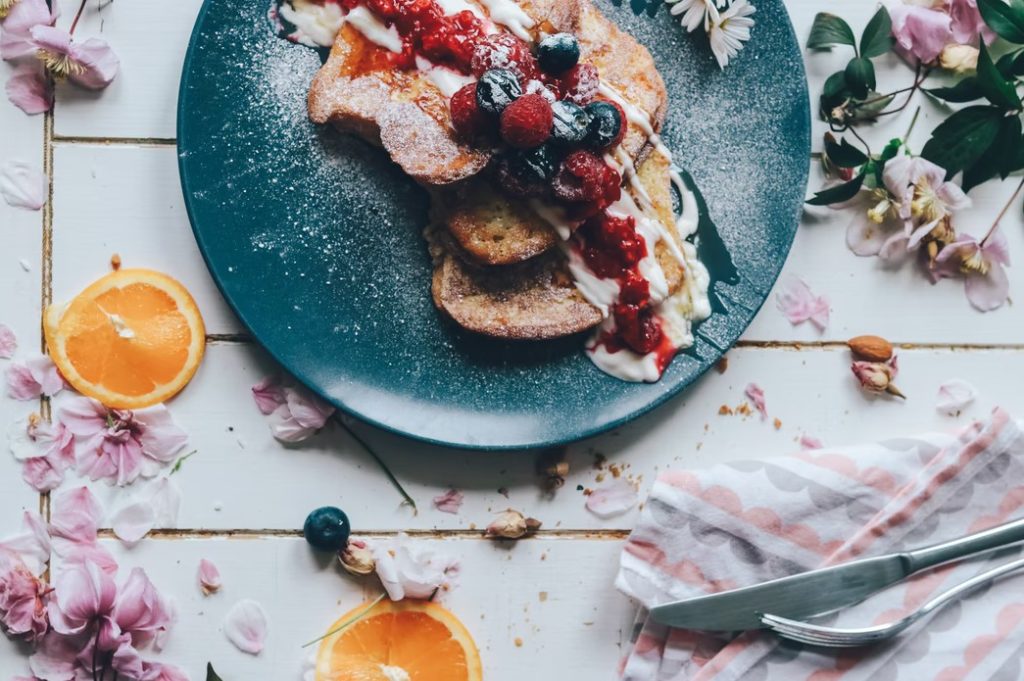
{"x":350,"y":621}
{"x":380,"y":462}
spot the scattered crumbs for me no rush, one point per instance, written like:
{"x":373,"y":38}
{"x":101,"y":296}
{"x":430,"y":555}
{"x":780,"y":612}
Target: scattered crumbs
{"x":503,"y":491}
{"x":231,"y":429}
{"x":699,"y":445}
{"x":723,"y":365}
{"x":725,"y":410}
{"x":588,"y":624}
{"x":744,"y":409}
{"x":519,"y":642}
{"x":542,"y":596}
{"x":218,"y":506}
{"x":599,"y":477}
{"x":707,"y":427}
{"x":544,"y":556}
{"x":472,"y":526}
{"x":777,"y":423}
{"x":25,"y":265}
{"x":599,"y":460}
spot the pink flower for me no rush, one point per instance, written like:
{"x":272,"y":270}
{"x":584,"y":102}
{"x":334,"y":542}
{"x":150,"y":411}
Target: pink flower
{"x":209,"y":577}
{"x":33,"y":378}
{"x":140,"y":611}
{"x":449,"y":502}
{"x":74,"y":526}
{"x":982,"y":267}
{"x":612,"y":499}
{"x":920,"y":32}
{"x":246,"y":626}
{"x":22,"y":599}
{"x":295,"y":414}
{"x":46,"y":450}
{"x":798,"y":304}
{"x":31,"y":545}
{"x":16,"y":32}
{"x":8,"y":342}
{"x":967,"y":24}
{"x":410,"y":570}
{"x":755,"y":394}
{"x":90,"y":64}
{"x":56,"y":657}
{"x":120,"y":445}
{"x":84,"y":597}
{"x":29,"y":90}
{"x":877,"y":377}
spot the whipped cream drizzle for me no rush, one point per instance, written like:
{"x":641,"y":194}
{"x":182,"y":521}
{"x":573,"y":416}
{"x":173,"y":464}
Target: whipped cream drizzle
{"x":319,"y":24}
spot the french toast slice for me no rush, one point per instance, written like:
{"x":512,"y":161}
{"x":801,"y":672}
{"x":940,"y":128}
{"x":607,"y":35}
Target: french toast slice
{"x":537,"y":299}
{"x":490,"y":228}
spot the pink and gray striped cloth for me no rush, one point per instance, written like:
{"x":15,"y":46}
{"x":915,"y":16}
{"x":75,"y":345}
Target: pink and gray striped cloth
{"x":741,"y":523}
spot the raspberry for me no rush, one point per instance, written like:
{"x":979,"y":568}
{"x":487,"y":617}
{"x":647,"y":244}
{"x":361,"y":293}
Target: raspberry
{"x":526,"y":122}
{"x":579,"y":84}
{"x":504,"y":51}
{"x":585,"y":178}
{"x":638,"y":327}
{"x":469,"y":120}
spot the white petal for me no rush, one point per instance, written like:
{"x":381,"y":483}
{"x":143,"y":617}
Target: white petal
{"x":613,"y":499}
{"x":23,"y":446}
{"x":166,"y":502}
{"x":23,"y":185}
{"x":133,"y":521}
{"x":954,"y":396}
{"x":246,"y":626}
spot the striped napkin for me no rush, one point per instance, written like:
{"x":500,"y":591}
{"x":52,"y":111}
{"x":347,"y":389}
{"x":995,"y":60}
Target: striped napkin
{"x":738,"y":524}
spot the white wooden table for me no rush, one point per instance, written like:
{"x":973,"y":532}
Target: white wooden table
{"x":111,"y":159}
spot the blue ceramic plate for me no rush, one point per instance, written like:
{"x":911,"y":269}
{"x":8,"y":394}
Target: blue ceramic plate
{"x":315,"y":238}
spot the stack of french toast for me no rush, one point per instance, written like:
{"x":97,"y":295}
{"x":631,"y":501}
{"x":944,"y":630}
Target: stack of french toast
{"x":501,"y":265}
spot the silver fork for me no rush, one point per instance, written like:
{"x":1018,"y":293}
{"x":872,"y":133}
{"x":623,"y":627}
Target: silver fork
{"x":833,"y":637}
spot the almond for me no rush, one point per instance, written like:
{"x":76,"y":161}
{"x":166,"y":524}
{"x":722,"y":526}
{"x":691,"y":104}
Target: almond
{"x":871,"y":348}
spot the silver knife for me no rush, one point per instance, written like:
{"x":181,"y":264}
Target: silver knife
{"x":822,"y":591}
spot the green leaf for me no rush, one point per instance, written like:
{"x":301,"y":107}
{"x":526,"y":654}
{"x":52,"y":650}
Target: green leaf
{"x":998,"y":159}
{"x":993,"y":85}
{"x":1007,"y":20}
{"x":1011,"y":64}
{"x":962,"y":138}
{"x":967,"y":90}
{"x":835,"y":85}
{"x":829,"y":30}
{"x":210,"y":674}
{"x":860,"y":77}
{"x":843,"y":154}
{"x":877,"y":37}
{"x":843,"y":192}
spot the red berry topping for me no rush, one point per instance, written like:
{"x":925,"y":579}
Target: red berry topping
{"x":504,"y":51}
{"x":585,"y":179}
{"x":467,"y":118}
{"x":612,"y":248}
{"x":638,"y":327}
{"x":526,"y":122}
{"x":579,"y":85}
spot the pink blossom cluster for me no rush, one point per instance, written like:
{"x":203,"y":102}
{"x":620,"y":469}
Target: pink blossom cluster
{"x":88,"y":621}
{"x":43,"y":52}
{"x":924,"y":29}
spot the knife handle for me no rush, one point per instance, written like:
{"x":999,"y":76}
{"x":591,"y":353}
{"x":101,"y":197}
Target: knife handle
{"x":991,"y":539}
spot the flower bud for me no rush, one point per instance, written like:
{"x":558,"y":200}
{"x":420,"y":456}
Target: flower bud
{"x":959,"y":58}
{"x":512,"y":525}
{"x":357,"y":558}
{"x":877,"y":377}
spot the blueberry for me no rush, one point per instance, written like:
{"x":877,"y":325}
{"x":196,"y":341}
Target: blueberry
{"x":327,"y":529}
{"x":497,"y":89}
{"x":527,"y":173}
{"x":605,"y":125}
{"x":571,"y":123}
{"x":540,"y":162}
{"x":558,"y":53}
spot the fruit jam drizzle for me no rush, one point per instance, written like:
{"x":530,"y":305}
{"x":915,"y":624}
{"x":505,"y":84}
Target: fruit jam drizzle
{"x":560,"y":130}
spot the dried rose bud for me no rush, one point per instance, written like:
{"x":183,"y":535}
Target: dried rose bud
{"x":357,"y":558}
{"x":512,"y":525}
{"x":877,"y":377}
{"x":959,"y":59}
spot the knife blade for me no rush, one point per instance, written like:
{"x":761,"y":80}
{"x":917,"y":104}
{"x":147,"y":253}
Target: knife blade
{"x":809,"y":593}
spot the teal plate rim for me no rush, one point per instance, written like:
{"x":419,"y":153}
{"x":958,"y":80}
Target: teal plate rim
{"x":798,"y":138}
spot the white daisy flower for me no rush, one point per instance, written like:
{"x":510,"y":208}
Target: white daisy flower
{"x":730,"y":30}
{"x":696,"y":12}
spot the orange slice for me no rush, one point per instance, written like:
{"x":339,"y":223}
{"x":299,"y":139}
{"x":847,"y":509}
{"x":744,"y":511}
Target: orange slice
{"x":132,"y":339}
{"x":403,"y":641}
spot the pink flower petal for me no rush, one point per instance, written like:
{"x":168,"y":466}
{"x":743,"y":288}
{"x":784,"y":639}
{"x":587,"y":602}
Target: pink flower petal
{"x":613,"y":499}
{"x":996,"y":248}
{"x":76,"y":516}
{"x":954,"y":396}
{"x":989,"y":291}
{"x":156,"y":671}
{"x":246,"y":626}
{"x":55,"y":658}
{"x":34,"y":377}
{"x":140,"y":610}
{"x":42,"y":474}
{"x":82,"y":594}
{"x":31,"y":544}
{"x":268,"y":395}
{"x":306,"y":408}
{"x":29,"y":90}
{"x":810,"y":442}
{"x":15,"y":38}
{"x":796,"y":301}
{"x":133,"y":521}
{"x":8,"y":342}
{"x":449,"y":502}
{"x":409,"y":569}
{"x":920,"y":32}
{"x":209,"y":577}
{"x":756,"y":395}
{"x":84,"y":417}
{"x":161,"y":438}
{"x":100,"y":63}
{"x":864,"y":237}
{"x":23,"y":185}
